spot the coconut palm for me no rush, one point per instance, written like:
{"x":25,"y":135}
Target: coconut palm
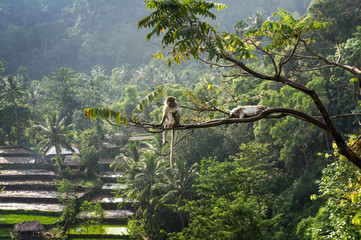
{"x":141,"y":188}
{"x":131,"y":153}
{"x":177,"y":185}
{"x":33,"y":95}
{"x":12,"y":93}
{"x":128,"y":156}
{"x":54,"y":133}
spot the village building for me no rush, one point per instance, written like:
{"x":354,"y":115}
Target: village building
{"x":28,"y":230}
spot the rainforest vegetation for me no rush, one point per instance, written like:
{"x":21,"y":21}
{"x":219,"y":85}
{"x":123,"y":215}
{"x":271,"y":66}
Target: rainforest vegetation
{"x":95,"y":74}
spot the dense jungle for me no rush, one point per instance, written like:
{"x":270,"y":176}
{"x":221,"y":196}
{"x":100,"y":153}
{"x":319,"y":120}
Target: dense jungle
{"x":91,"y":77}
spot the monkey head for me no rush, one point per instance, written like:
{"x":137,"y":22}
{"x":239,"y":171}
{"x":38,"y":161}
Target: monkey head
{"x":170,"y":101}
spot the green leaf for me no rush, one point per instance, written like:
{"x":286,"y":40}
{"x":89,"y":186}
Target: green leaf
{"x":150,"y":97}
{"x":104,"y":113}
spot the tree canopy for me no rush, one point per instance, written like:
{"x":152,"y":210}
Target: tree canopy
{"x":281,"y":40}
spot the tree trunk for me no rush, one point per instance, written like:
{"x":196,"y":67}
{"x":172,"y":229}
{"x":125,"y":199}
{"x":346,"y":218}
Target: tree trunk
{"x":17,"y":123}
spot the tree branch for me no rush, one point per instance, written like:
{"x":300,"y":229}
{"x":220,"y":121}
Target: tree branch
{"x":269,"y":113}
{"x":350,"y":69}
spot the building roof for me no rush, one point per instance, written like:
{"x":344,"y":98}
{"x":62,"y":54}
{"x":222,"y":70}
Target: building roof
{"x":14,"y":150}
{"x":29,"y":226}
{"x":64,"y":151}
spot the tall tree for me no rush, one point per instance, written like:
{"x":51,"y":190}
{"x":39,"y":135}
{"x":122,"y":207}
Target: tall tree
{"x":128,"y":158}
{"x":177,"y":186}
{"x":12,"y":93}
{"x":60,"y":92}
{"x":142,"y":186}
{"x":54,"y":133}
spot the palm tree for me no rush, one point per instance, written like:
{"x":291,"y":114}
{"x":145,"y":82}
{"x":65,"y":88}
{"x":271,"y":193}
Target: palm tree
{"x":177,"y":186}
{"x":141,"y":188}
{"x":33,"y":95}
{"x":128,"y":156}
{"x":54,"y":133}
{"x":131,"y":153}
{"x":12,"y":93}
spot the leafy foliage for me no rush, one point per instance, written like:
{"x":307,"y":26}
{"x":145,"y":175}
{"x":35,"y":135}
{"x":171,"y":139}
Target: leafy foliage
{"x":66,"y":195}
{"x":179,"y":21}
{"x":231,"y":202}
{"x":189,"y":36}
{"x":340,"y":216}
{"x":285,"y":30}
{"x":151,"y":97}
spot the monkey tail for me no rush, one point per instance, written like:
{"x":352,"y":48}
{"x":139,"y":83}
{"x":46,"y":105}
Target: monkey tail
{"x":171,"y":148}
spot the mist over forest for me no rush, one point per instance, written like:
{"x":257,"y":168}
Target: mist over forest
{"x":180,"y":119}
{"x":45,"y":35}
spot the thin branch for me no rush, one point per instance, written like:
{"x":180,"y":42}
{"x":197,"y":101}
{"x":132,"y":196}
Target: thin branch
{"x":358,"y":139}
{"x":346,"y":88}
{"x":350,"y":69}
{"x":314,"y":69}
{"x":295,"y":55}
{"x":289,"y":56}
{"x":233,"y":76}
{"x":216,"y":64}
{"x":201,"y":108}
{"x":306,"y":57}
{"x":345,"y":115}
{"x":214,"y":107}
{"x":185,"y":136}
{"x":269,"y":55}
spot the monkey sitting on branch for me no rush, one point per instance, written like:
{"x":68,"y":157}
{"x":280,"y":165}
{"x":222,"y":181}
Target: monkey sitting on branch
{"x":247,"y":111}
{"x":170,"y":119}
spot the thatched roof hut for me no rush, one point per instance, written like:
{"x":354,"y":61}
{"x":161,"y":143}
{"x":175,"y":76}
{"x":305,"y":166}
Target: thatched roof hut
{"x":28,"y":230}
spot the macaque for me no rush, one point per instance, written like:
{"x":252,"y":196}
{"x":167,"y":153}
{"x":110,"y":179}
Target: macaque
{"x":247,"y":111}
{"x":170,"y":119}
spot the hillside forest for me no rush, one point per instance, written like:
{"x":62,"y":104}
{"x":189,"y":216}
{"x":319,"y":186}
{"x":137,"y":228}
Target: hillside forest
{"x":95,"y":74}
